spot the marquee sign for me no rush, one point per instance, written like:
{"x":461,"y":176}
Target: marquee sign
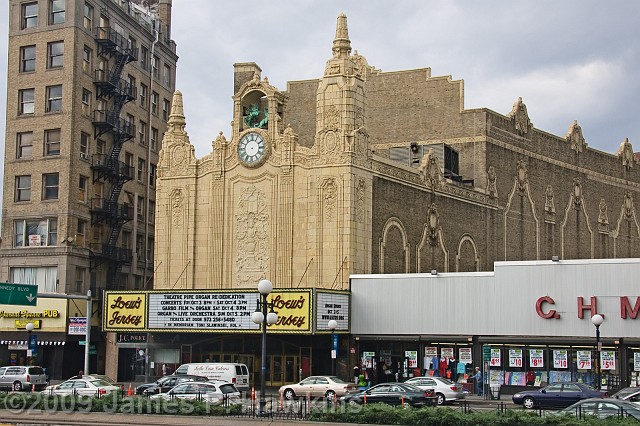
{"x":205,"y":310}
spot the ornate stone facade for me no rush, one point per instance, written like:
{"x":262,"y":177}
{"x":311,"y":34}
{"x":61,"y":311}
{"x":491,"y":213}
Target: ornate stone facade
{"x":363,"y":171}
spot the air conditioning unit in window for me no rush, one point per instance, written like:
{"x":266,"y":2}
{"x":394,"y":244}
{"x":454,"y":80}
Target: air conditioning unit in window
{"x":84,"y":156}
{"x":98,"y":162}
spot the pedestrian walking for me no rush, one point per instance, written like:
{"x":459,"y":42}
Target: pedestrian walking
{"x":478,"y":377}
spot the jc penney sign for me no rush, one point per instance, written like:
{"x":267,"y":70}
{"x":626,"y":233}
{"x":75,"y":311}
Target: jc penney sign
{"x":628,"y":307}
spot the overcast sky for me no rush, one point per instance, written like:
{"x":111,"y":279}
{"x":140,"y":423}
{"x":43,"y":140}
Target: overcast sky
{"x":568,"y":60}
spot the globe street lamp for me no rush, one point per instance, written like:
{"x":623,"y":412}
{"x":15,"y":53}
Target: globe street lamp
{"x":260,"y":316}
{"x":29,"y":326}
{"x":333,"y":324}
{"x":597,"y":320}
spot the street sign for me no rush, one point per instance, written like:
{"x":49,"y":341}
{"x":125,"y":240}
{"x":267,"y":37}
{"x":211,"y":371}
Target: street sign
{"x":486,"y":353}
{"x":18,"y":294}
{"x":33,"y":344}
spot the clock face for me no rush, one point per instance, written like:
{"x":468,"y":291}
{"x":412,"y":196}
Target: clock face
{"x":251,"y":149}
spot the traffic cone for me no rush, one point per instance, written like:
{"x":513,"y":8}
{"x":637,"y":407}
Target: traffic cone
{"x":33,"y":388}
{"x":130,"y":391}
{"x":365,"y":400}
{"x":253,"y":393}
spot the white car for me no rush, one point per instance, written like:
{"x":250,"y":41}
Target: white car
{"x":213,"y":393}
{"x":445,"y":389}
{"x":84,"y":386}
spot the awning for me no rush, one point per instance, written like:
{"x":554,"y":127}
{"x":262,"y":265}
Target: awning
{"x":26,"y":342}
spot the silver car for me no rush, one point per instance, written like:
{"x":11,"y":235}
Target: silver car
{"x":19,"y":378}
{"x":628,"y":394}
{"x":445,"y":389}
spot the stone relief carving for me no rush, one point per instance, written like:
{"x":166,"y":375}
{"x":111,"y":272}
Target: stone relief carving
{"x":492,"y":189}
{"x":628,"y":206}
{"x":575,"y":138}
{"x":433,"y":224}
{"x":329,"y":199}
{"x":177,"y":207}
{"x":577,"y":193}
{"x":549,"y":205}
{"x":331,"y":118}
{"x":522,"y":176}
{"x":252,"y":236}
{"x":360,"y":205}
{"x":430,"y":170}
{"x":625,"y":153}
{"x":603,"y":217}
{"x":520,"y":116}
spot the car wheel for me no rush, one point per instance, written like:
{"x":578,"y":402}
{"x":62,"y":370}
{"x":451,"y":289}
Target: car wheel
{"x":331,"y":395}
{"x":289,"y":394}
{"x":528,"y":403}
{"x":17,"y":386}
{"x":441,"y":399}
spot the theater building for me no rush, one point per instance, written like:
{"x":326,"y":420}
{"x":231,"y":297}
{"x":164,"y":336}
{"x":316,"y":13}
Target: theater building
{"x":364,"y":171}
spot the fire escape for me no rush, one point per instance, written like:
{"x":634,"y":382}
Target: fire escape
{"x":108,"y":167}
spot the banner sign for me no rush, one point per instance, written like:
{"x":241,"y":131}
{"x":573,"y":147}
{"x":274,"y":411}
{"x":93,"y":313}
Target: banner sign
{"x":584,"y":360}
{"x":332,"y":306}
{"x":608,"y":360}
{"x":636,"y":361}
{"x":515,"y":357}
{"x":560,"y":358}
{"x":536,"y":358}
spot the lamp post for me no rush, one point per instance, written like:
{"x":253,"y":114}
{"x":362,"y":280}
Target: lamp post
{"x":260,"y":316}
{"x":333,"y":324}
{"x":597,"y":320}
{"x":29,"y":326}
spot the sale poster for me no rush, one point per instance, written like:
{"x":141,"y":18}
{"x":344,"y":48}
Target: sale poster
{"x":447,"y":353}
{"x":607,"y":360}
{"x":495,"y":357}
{"x":515,"y":357}
{"x":466,"y":358}
{"x":536,"y":358}
{"x":636,"y":361}
{"x":412,"y":357}
{"x":584,"y":360}
{"x":430,"y":351}
{"x":560,"y":358}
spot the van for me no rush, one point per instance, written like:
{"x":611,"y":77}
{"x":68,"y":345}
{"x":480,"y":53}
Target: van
{"x":238,"y":374}
{"x":19,"y":378}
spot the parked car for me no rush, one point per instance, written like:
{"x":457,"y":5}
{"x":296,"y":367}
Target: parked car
{"x":102,"y":377}
{"x":557,"y":395}
{"x":393,"y":394}
{"x":84,"y":386}
{"x":628,"y":394}
{"x":446,"y":390}
{"x":602,"y":408}
{"x":19,"y":378}
{"x":318,"y":386}
{"x":213,"y":393}
{"x":166,"y":383}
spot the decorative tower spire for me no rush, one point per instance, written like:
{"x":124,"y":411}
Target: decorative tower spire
{"x":342,"y":44}
{"x":177,"y":120}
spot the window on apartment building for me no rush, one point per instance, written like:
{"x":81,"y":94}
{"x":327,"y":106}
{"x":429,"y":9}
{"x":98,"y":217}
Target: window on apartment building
{"x":55,"y":54}
{"x":166,"y":75}
{"x":28,"y":58}
{"x":45,"y":277}
{"x":128,"y":160}
{"x":97,"y":233}
{"x":144,"y":90}
{"x":35,"y":232}
{"x":140,"y":208}
{"x":86,"y":102}
{"x":150,"y":250}
{"x":141,"y":167}
{"x":100,"y":145}
{"x":80,"y":277}
{"x":84,"y":145}
{"x":155,"y":63}
{"x":126,"y":240}
{"x":23,"y":188}
{"x":24,"y":145}
{"x":50,"y":183}
{"x":130,"y":125}
{"x":83,"y":183}
{"x":140,"y":247}
{"x":166,"y":106}
{"x":81,"y":230}
{"x":142,"y":131}
{"x":54,"y":98}
{"x":26,"y":101}
{"x":133,"y":45}
{"x":152,"y":212}
{"x":131,"y":80}
{"x":88,"y":16}
{"x":98,"y":190}
{"x":86,"y":59}
{"x":56,"y":11}
{"x":144,"y":58}
{"x":155,"y":98}
{"x":154,"y":139}
{"x":52,"y":142}
{"x":152,"y":174}
{"x":29,"y":15}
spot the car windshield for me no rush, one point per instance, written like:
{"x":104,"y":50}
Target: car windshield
{"x":99,"y":382}
{"x":336,"y":379}
{"x":227,"y":388}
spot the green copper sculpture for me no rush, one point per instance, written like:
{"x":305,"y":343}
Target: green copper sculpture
{"x":253,"y":113}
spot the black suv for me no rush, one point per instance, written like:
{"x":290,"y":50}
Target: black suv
{"x":164,"y":384}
